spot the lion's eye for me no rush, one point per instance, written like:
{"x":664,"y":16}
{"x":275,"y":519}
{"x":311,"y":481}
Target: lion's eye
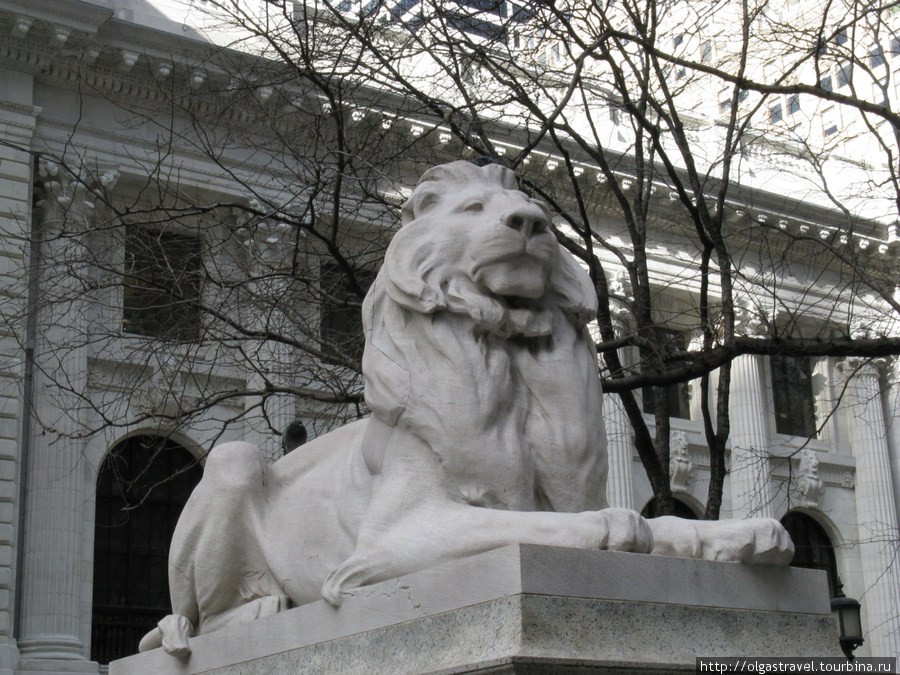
{"x":473,"y":207}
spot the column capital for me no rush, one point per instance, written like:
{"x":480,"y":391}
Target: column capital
{"x":858,"y":367}
{"x":749,"y":319}
{"x":69,"y":195}
{"x":620,"y":299}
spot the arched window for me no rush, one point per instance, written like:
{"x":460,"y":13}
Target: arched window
{"x":143,"y":485}
{"x":813,"y":547}
{"x":682,"y":510}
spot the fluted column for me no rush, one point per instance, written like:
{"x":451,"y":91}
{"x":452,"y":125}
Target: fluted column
{"x":269,"y":244}
{"x":875,"y":506}
{"x":619,"y":448}
{"x":16,"y":131}
{"x":55,"y":491}
{"x":619,"y":435}
{"x":751,"y":494}
{"x":892,"y":422}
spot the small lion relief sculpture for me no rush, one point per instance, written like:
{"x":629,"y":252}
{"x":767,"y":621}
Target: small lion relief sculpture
{"x":486,"y":430}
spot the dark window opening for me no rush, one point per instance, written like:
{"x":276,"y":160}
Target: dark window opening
{"x":162,"y":285}
{"x":793,"y":104}
{"x":489,"y":6}
{"x":678,"y":395}
{"x":876,"y":57}
{"x":341,"y":328}
{"x":844,"y":74}
{"x":775,"y":114}
{"x":478,"y":27}
{"x":895,"y":46}
{"x":792,"y":389}
{"x":825,"y":83}
{"x":840,"y":37}
{"x":706,"y":51}
{"x":371,"y":7}
{"x":521,"y":14}
{"x":813,"y":549}
{"x":142,"y":488}
{"x":402,"y":8}
{"x":682,"y":510}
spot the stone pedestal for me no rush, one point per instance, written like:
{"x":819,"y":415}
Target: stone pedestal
{"x":531,"y":609}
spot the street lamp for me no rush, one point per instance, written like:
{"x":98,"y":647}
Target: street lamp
{"x":846,"y":611}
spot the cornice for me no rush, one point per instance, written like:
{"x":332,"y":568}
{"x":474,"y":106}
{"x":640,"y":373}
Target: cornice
{"x":84,"y":17}
{"x":80,"y":45}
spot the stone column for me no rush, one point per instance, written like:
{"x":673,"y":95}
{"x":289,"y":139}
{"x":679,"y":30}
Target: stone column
{"x":54,"y":496}
{"x":269,"y":245}
{"x":619,"y":448}
{"x":876,"y":508}
{"x":17,"y":123}
{"x":619,"y":442}
{"x":751,"y":493}
{"x":892,"y":422}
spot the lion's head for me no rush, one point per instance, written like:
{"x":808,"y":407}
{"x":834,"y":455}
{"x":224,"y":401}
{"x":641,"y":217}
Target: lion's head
{"x":477,"y":346}
{"x":472,"y":243}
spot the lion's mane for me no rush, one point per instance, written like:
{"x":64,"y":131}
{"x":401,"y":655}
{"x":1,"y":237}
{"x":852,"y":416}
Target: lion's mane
{"x":507,"y":396}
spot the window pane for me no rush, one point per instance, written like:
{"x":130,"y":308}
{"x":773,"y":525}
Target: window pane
{"x":843,"y":74}
{"x":793,"y":104}
{"x":678,"y":395}
{"x":341,"y":329}
{"x":792,"y":396}
{"x":775,"y":113}
{"x":162,"y":285}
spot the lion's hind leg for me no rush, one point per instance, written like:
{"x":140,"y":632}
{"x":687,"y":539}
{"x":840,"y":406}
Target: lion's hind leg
{"x":218,"y":574}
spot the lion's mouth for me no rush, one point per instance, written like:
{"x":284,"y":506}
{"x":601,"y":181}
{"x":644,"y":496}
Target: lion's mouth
{"x":519,"y":302}
{"x":524,"y":317}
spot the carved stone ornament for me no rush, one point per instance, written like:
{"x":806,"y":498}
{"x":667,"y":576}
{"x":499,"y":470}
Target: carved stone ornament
{"x":621,"y":296}
{"x":70,"y":194}
{"x":808,"y":486}
{"x":681,"y":468}
{"x":486,"y":431}
{"x":748,"y":318}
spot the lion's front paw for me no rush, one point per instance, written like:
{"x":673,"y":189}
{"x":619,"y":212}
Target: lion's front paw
{"x":622,"y":530}
{"x":755,"y":541}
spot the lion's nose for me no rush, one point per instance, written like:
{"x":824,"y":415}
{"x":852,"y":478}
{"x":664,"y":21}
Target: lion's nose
{"x":527,"y":219}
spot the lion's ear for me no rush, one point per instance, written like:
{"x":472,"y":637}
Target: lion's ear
{"x":578,"y":298}
{"x":419,"y":202}
{"x":412,"y":271}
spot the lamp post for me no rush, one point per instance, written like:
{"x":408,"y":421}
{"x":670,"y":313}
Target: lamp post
{"x":846,"y":611}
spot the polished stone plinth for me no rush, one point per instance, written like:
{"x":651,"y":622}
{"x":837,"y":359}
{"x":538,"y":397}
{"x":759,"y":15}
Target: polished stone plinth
{"x":531,"y":609}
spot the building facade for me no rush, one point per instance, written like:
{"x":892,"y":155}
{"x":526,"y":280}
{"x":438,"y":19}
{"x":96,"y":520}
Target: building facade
{"x":814,"y":442}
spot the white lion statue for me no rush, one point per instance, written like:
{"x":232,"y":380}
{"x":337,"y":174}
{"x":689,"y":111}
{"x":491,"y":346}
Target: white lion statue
{"x":486,"y":430}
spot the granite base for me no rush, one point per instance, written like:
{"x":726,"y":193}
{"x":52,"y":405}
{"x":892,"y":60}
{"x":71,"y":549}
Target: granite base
{"x":530,"y":609}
